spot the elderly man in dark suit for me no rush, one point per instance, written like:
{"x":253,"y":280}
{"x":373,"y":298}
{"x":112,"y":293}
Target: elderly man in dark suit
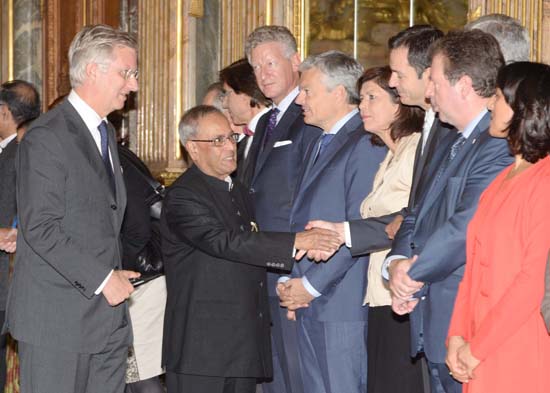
{"x":284,"y":139}
{"x":216,"y":334}
{"x":66,"y":301}
{"x":19,"y":105}
{"x":339,"y":173}
{"x":428,"y":255}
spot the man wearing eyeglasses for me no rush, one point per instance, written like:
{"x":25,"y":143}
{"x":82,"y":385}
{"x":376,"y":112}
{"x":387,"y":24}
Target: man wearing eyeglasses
{"x":66,"y":303}
{"x":216,"y":329}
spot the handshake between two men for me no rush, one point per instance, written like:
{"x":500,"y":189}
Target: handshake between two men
{"x":321,"y":246}
{"x":319,"y":242}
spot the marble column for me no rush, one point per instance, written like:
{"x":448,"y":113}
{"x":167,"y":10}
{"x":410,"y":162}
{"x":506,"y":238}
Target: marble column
{"x":27,"y":41}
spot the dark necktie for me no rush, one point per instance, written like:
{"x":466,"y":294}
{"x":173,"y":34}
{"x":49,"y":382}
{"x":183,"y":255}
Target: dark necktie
{"x":453,"y":151}
{"x":104,"y":133}
{"x":271,"y":123}
{"x":323,"y":143}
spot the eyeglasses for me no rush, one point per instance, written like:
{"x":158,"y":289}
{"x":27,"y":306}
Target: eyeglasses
{"x":129,"y":73}
{"x":220,"y":140}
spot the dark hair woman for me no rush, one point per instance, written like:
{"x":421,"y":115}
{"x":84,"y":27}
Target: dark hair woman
{"x":396,"y":126}
{"x":497,"y":338}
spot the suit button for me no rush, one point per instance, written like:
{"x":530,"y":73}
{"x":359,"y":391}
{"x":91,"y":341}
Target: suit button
{"x":238,"y":213}
{"x":261,"y":284}
{"x":251,"y":191}
{"x":241,"y":228}
{"x":413,"y":246}
{"x":261,"y":315}
{"x":113,"y":207}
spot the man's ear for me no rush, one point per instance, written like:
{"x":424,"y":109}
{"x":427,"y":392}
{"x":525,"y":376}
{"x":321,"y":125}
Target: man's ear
{"x":295,"y":60}
{"x":464,"y":86}
{"x":426,"y":74}
{"x":191,"y":148}
{"x":91,"y":71}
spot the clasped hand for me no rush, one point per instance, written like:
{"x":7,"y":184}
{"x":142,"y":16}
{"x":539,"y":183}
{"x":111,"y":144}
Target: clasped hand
{"x":293,"y":295}
{"x":402,"y":286}
{"x":460,"y":359}
{"x":8,"y":239}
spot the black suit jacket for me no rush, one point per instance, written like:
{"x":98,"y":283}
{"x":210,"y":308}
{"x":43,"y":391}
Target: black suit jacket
{"x":7,"y":210}
{"x":368,"y":235}
{"x":217,"y":314}
{"x":245,"y":166}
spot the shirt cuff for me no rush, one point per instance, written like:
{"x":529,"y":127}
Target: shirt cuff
{"x":98,"y":290}
{"x":281,"y":280}
{"x":347,"y":234}
{"x":307,"y":285}
{"x":386,"y":265}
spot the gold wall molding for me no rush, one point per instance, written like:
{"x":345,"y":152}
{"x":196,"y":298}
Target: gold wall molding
{"x":163,"y":40}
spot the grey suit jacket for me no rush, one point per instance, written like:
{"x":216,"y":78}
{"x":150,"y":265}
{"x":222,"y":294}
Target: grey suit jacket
{"x":68,"y":239}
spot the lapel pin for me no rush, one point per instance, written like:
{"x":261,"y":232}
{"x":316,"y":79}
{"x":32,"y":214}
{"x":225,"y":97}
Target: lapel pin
{"x":254,"y":227}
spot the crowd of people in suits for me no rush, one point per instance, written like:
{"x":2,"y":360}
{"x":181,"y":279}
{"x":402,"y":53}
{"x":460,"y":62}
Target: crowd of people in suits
{"x":341,"y":230}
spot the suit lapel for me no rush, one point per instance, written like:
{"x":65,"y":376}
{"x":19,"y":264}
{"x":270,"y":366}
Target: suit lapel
{"x":280,"y":133}
{"x":313,"y":170}
{"x":85,"y":142}
{"x":438,"y":186}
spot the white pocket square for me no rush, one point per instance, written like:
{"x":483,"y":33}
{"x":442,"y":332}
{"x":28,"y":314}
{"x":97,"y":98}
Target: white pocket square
{"x":282,"y":143}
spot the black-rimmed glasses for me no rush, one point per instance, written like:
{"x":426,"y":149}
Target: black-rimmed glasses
{"x":220,"y":140}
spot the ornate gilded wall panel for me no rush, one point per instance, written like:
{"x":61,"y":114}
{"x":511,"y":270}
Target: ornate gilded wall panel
{"x":163,"y":37}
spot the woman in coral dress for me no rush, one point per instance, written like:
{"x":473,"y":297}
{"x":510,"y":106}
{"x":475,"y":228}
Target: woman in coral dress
{"x":497,"y":337}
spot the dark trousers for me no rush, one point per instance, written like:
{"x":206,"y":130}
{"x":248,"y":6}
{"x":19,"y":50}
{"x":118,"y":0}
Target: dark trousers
{"x":50,"y":370}
{"x":390,"y":367}
{"x":187,"y":383}
{"x":3,"y":343}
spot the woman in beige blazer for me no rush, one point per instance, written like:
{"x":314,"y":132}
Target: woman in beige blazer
{"x":390,"y":369}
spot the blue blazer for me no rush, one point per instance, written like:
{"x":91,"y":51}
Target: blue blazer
{"x":435,"y":230}
{"x":276,"y":172}
{"x":332,"y":189}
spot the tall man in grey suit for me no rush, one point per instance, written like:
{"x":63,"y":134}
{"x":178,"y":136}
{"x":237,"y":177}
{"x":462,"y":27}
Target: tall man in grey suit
{"x":428,"y":255}
{"x":338,"y":175}
{"x":283,"y":140}
{"x":66,"y":302}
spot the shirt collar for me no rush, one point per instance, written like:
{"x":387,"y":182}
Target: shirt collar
{"x":471,"y":125}
{"x":88,"y":115}
{"x":254,"y":122}
{"x":340,"y":123}
{"x":5,"y":142}
{"x":285,"y":102}
{"x":429,"y":118}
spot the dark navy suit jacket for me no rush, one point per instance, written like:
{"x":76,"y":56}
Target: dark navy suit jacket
{"x":277,"y":170}
{"x":435,"y":230}
{"x":332,"y":189}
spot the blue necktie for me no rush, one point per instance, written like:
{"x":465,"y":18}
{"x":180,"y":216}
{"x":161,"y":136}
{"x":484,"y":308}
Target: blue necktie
{"x":453,"y":151}
{"x":271,"y":123}
{"x":323,"y":143}
{"x":104,"y":133}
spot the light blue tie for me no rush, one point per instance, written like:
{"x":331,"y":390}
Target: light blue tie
{"x":323,"y":143}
